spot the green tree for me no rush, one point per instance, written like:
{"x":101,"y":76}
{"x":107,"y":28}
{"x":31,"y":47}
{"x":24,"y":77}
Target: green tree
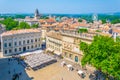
{"x":98,"y":31}
{"x":23,"y":25}
{"x":79,"y":20}
{"x":117,"y":39}
{"x":82,"y":30}
{"x":104,"y":21}
{"x":115,"y":21}
{"x":104,"y":54}
{"x":35,"y":26}
{"x":10,"y":23}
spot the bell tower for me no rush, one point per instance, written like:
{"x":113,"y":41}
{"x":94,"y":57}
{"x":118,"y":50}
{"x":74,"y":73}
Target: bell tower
{"x":37,"y":15}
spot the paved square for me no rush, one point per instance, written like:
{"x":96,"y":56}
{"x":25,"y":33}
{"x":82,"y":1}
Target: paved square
{"x":51,"y":72}
{"x":55,"y":72}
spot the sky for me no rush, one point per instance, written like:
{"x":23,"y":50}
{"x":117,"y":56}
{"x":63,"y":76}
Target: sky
{"x":60,"y":6}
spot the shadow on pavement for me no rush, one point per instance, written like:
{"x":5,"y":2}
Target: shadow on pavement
{"x":11,"y":69}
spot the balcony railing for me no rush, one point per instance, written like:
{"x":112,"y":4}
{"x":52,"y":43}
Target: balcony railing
{"x":80,"y":35}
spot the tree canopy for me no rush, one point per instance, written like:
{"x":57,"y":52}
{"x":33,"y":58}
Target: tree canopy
{"x":11,"y":24}
{"x":22,"y":25}
{"x":115,"y":21}
{"x":79,"y":20}
{"x":98,"y":31}
{"x":82,"y":30}
{"x":35,"y":25}
{"x":118,"y":39}
{"x":104,"y":21}
{"x":104,"y":54}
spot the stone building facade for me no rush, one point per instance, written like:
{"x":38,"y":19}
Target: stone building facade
{"x":19,"y":41}
{"x":69,"y":44}
{"x":54,"y":42}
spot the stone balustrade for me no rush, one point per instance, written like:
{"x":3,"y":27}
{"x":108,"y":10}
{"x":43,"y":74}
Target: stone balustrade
{"x":88,"y":36}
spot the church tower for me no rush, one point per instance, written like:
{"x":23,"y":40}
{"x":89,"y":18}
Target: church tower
{"x":37,"y":15}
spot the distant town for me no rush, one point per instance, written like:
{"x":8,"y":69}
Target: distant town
{"x":60,"y":47}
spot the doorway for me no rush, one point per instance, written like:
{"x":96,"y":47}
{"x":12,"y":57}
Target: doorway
{"x":24,"y":49}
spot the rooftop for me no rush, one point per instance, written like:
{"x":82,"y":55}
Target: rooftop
{"x":22,"y":31}
{"x":88,"y":36}
{"x":116,"y":30}
{"x":55,"y":35}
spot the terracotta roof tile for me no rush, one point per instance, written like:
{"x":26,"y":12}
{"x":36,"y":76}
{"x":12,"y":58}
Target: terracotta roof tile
{"x":12,"y":32}
{"x":51,"y":20}
{"x":116,"y":30}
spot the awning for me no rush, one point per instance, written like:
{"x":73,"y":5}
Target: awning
{"x":25,"y":54}
{"x":32,"y":52}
